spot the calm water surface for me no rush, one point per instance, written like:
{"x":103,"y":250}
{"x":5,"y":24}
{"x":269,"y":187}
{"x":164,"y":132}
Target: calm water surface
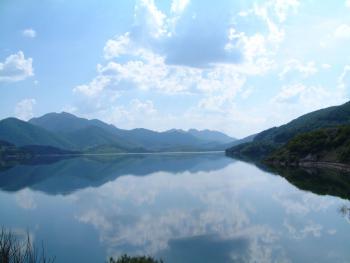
{"x":182,"y":208}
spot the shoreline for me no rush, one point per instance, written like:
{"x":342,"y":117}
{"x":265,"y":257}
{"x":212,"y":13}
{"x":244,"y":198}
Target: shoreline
{"x":332,"y":165}
{"x":314,"y":164}
{"x":120,"y":153}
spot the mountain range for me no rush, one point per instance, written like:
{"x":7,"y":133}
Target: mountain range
{"x":69,"y":132}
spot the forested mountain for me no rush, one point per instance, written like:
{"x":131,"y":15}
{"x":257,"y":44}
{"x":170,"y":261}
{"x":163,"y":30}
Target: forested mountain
{"x":323,"y":145}
{"x":67,"y":131}
{"x":269,"y":140}
{"x":23,"y":133}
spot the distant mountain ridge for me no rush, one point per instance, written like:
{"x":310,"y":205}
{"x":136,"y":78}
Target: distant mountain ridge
{"x":67,"y":131}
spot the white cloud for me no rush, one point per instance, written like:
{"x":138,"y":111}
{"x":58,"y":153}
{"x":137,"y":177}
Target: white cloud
{"x":274,"y":13}
{"x":307,"y":97}
{"x":159,"y":56}
{"x":138,"y":113}
{"x":29,"y":32}
{"x":149,"y":19}
{"x":326,"y":66}
{"x":282,"y":7}
{"x":253,"y":46}
{"x":24,"y":109}
{"x":150,"y":72}
{"x":306,"y":69}
{"x":116,"y":47}
{"x":178,"y":6}
{"x":143,"y":107}
{"x":95,"y":87}
{"x":342,"y":31}
{"x":344,"y":79}
{"x":16,"y":67}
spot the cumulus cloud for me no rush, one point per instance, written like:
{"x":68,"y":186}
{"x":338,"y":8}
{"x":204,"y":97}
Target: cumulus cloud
{"x":306,"y":69}
{"x":149,"y":20}
{"x":29,"y":32}
{"x":116,"y":47}
{"x":302,"y":94}
{"x":178,"y":6}
{"x":172,"y":35}
{"x":149,"y":71}
{"x":282,"y":7}
{"x":24,"y":109}
{"x":344,"y":79}
{"x":16,"y":67}
{"x":274,"y":13}
{"x":206,"y":57}
{"x":342,"y":32}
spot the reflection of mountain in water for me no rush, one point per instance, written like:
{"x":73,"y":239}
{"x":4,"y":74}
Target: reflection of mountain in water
{"x":318,"y":181}
{"x":66,"y":176}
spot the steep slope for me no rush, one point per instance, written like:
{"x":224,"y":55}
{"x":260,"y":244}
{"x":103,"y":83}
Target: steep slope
{"x":324,"y":145}
{"x":269,"y":140}
{"x":23,"y":133}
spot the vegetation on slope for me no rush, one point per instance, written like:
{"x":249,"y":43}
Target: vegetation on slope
{"x":11,"y":155}
{"x":327,"y":145}
{"x":23,"y":133}
{"x":66,"y":131}
{"x":269,"y":140}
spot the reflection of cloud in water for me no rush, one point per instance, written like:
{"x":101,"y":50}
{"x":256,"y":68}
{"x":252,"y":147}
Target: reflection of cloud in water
{"x":297,"y":203}
{"x":25,"y":199}
{"x":158,"y":213}
{"x":306,"y":229}
{"x":236,"y":214}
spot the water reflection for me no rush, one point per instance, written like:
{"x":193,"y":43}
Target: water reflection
{"x":318,"y":181}
{"x":64,"y":176}
{"x":201,"y":208}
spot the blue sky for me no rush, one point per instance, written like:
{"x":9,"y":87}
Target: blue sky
{"x":234,"y":66}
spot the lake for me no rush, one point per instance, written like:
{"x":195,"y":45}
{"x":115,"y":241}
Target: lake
{"x":178,"y":207}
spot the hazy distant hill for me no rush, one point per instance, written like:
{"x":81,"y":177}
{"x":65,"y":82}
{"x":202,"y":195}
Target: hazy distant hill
{"x":93,"y":133}
{"x":209,"y":135}
{"x":269,"y":140}
{"x":67,"y":131}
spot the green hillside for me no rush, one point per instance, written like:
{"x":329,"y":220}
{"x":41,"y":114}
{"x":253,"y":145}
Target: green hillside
{"x":324,"y":145}
{"x":22,"y":133}
{"x":269,"y":140}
